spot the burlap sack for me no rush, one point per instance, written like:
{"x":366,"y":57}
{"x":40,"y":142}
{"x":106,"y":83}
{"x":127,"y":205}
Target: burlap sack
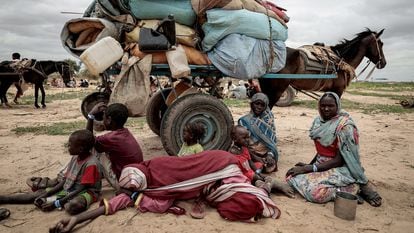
{"x":79,"y":26}
{"x":132,"y":86}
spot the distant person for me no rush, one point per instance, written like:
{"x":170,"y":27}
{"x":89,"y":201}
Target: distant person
{"x":84,"y":83}
{"x":72,"y":83}
{"x":240,"y":91}
{"x":228,"y":90}
{"x":18,"y":85}
{"x":15,"y":57}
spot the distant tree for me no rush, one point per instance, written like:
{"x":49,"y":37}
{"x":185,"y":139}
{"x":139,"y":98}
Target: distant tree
{"x":84,"y":73}
{"x":74,"y":67}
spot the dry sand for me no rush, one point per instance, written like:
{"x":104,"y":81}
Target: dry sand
{"x":386,"y":151}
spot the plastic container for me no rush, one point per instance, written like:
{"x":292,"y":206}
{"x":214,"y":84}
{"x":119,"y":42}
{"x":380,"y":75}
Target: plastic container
{"x":177,"y":61}
{"x":345,"y":205}
{"x":102,"y":55}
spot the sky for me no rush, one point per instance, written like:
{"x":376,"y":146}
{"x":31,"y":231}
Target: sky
{"x":33,"y":28}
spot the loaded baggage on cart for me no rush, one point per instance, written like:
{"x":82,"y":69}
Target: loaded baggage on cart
{"x":186,"y":41}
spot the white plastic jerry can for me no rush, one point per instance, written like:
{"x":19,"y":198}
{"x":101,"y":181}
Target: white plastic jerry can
{"x":102,"y":55}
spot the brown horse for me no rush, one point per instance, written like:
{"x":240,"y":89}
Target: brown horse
{"x":365,"y":44}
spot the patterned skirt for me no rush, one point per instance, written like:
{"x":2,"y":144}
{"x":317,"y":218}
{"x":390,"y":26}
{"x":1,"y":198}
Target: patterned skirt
{"x":320,"y":187}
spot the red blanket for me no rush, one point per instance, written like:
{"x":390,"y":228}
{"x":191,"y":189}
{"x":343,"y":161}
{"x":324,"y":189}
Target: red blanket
{"x":163,"y":171}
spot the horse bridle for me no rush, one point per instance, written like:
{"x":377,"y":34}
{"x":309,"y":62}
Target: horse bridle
{"x":369,"y":61}
{"x":63,"y":66}
{"x":378,"y":49}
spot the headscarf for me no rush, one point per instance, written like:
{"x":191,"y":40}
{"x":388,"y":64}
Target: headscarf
{"x":336,"y":98}
{"x":323,"y":130}
{"x":262,"y":97}
{"x":343,"y":128}
{"x":262,"y":128}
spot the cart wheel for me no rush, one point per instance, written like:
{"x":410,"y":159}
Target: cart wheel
{"x":156,"y":108}
{"x":206,"y":109}
{"x":287,"y":97}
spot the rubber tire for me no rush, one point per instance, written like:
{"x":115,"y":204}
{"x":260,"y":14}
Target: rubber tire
{"x":287,"y":97}
{"x":208,"y":110}
{"x":91,"y":100}
{"x":156,"y":109}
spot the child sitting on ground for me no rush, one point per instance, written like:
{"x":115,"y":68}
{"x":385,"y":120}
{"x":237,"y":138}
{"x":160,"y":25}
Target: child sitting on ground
{"x":120,"y":145}
{"x":252,"y":170}
{"x":79,"y":187}
{"x":193,"y":132}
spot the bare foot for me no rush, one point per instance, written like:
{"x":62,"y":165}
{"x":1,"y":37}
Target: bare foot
{"x":198,"y":209}
{"x":369,"y":194}
{"x":281,"y":187}
{"x":264,"y":185}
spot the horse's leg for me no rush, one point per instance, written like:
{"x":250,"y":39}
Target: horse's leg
{"x":273,"y":88}
{"x":19,"y":92}
{"x":2,"y":94}
{"x":340,"y":84}
{"x":42,"y":89}
{"x":4,"y":86}
{"x":36,"y":95}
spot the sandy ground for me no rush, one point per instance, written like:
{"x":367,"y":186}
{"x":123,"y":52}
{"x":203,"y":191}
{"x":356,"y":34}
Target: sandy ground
{"x":387,"y":144}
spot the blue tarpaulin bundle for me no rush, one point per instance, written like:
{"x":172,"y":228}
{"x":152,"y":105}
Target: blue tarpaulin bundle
{"x":160,"y":9}
{"x":245,"y":57}
{"x":221,"y":23}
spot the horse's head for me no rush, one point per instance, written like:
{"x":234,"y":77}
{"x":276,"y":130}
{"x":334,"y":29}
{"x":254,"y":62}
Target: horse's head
{"x":374,"y":49}
{"x":64,"y":71}
{"x":48,"y":67}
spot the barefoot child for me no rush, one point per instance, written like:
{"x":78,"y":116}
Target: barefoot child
{"x":120,"y":145}
{"x":80,"y":185}
{"x":250,"y":169}
{"x":192,"y":134}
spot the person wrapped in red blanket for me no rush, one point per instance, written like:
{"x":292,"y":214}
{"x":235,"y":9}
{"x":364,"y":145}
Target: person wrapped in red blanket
{"x":154,"y":185}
